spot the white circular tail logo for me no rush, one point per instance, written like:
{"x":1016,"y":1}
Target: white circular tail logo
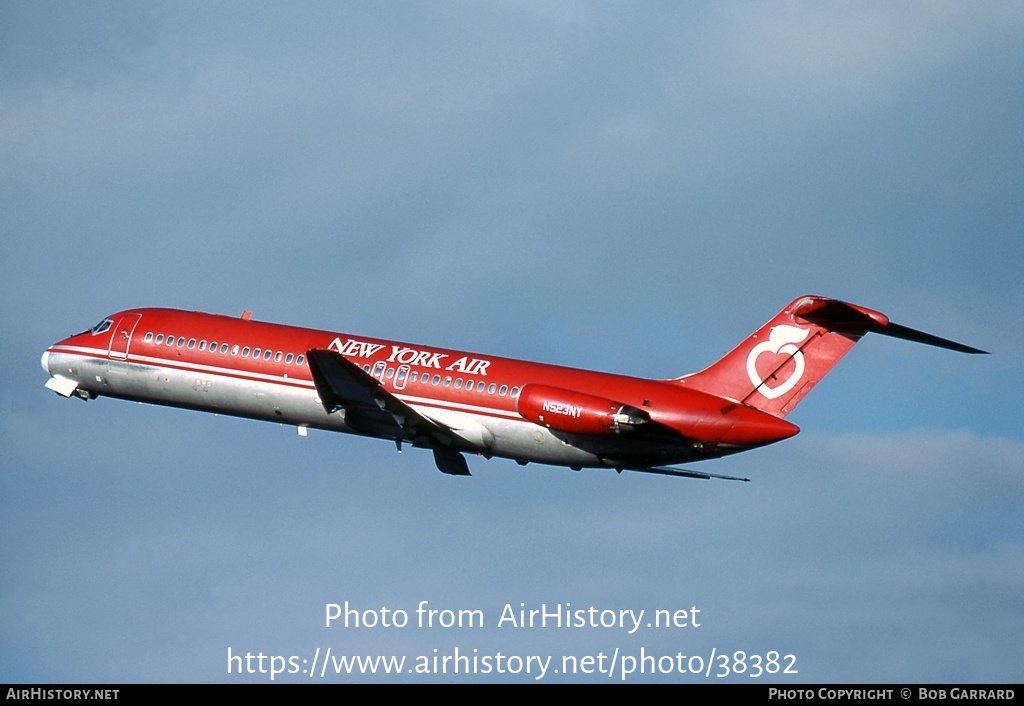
{"x":782,"y":341}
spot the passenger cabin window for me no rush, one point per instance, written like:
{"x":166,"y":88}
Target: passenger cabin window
{"x":159,"y":338}
{"x":149,"y":337}
{"x":191,"y":343}
{"x":300,"y":360}
{"x":288,"y":358}
{"x":223,"y":348}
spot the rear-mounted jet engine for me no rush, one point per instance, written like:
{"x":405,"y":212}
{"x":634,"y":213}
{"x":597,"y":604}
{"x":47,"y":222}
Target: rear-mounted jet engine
{"x":578,"y":412}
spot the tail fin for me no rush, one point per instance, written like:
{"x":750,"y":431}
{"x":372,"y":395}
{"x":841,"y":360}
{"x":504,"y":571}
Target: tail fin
{"x":779,"y":364}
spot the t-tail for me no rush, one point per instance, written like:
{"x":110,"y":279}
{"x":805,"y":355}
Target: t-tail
{"x":777,"y":365}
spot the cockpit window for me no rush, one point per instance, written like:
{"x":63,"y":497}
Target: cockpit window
{"x":101,"y":327}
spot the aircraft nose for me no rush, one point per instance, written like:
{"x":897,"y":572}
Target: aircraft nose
{"x":46,"y":361}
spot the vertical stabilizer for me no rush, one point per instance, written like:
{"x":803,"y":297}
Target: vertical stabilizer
{"x":774,"y":368}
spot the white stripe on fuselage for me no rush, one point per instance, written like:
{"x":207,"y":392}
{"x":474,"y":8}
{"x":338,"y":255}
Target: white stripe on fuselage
{"x":413,"y":401}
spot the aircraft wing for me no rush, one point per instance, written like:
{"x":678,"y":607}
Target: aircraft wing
{"x":684,"y":473}
{"x":370,"y":409}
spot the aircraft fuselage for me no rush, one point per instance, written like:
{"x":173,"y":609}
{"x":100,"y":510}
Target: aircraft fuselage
{"x":454,"y":401}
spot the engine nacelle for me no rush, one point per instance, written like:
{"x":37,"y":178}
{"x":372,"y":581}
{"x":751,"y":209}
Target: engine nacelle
{"x":577,"y":412}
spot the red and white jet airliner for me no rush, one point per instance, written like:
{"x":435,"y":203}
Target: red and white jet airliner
{"x":454,"y":402}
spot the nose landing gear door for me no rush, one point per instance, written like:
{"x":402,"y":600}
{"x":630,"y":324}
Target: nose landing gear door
{"x":123,"y":336}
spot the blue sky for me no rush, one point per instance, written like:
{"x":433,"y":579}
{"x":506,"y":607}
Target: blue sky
{"x":626,"y":187}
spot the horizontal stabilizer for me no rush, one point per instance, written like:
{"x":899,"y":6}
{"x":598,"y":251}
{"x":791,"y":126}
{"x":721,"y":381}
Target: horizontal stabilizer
{"x":835,"y":315}
{"x":909,"y":334}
